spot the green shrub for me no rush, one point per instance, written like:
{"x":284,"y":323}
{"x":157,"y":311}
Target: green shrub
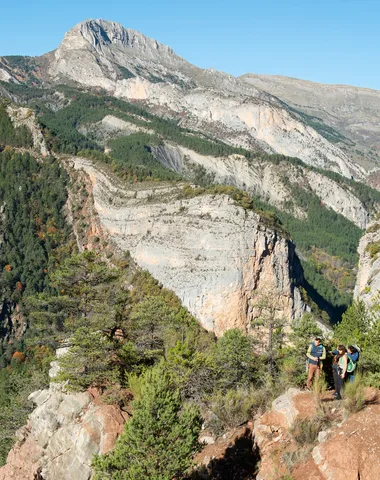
{"x":354,"y":395}
{"x":305,"y":430}
{"x":234,"y":360}
{"x":373,"y":379}
{"x":318,"y":390}
{"x":159,"y":440}
{"x":373,"y":248}
{"x":230,"y":409}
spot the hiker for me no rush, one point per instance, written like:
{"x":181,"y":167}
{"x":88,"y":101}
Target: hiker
{"x":339,"y":370}
{"x":315,"y":354}
{"x":353,"y":357}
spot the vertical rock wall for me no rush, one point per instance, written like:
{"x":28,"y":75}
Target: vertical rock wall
{"x":218,"y":258}
{"x":368,"y":278}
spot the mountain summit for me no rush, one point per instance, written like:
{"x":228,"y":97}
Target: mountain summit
{"x":103,"y":35}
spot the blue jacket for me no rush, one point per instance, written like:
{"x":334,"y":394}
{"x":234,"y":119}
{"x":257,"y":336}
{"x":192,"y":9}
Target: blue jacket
{"x":353,"y":356}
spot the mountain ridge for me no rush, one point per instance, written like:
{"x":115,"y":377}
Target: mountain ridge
{"x":130,"y":66}
{"x":353,"y":111}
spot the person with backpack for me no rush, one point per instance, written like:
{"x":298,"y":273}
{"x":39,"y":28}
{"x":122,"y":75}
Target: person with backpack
{"x":316,"y":353}
{"x":353,"y":357}
{"x":340,"y":363}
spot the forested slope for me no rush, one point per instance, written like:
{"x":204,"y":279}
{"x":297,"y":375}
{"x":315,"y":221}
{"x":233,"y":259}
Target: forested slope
{"x":326,"y":240}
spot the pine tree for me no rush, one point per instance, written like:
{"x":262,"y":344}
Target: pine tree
{"x":234,"y":359}
{"x":159,"y":440}
{"x":270,"y":328}
{"x":354,"y":325}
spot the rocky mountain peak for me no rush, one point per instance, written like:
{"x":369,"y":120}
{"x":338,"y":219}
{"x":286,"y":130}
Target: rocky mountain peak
{"x":102,"y":34}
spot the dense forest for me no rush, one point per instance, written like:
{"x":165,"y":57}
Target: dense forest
{"x":33,"y":234}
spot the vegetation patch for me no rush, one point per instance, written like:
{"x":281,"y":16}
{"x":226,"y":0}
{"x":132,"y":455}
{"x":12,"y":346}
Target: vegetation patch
{"x":373,"y":228}
{"x":373,"y":248}
{"x":11,"y":135}
{"x":126,"y":73}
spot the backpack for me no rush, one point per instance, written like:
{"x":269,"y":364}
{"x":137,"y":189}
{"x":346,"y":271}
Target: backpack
{"x":351,"y":365}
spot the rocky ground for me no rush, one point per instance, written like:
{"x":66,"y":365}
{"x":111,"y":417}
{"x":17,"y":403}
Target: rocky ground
{"x":66,"y":429}
{"x":348,"y":448}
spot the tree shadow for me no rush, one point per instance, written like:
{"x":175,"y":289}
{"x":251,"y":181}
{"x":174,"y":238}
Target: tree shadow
{"x":296,"y":272}
{"x":240,"y":462}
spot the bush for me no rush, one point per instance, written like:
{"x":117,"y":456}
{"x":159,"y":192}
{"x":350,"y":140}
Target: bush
{"x":234,"y":361}
{"x":291,"y":459}
{"x":373,"y":228}
{"x":373,"y":379}
{"x":305,"y":430}
{"x":354,"y":395}
{"x":318,"y":390}
{"x":373,"y":248}
{"x":231,"y":409}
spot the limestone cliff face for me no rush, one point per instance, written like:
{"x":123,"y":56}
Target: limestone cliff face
{"x":219,"y":259}
{"x":62,"y":434}
{"x":269,"y":181}
{"x":368,"y":278}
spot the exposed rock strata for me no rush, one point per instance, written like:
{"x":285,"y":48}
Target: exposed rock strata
{"x":63,"y":433}
{"x":218,"y":258}
{"x":270,"y":181}
{"x":353,"y":111}
{"x":368,"y":278}
{"x":267,"y":180}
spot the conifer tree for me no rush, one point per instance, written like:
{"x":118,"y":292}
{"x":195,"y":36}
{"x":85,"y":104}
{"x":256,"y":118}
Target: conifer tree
{"x":160,"y":438}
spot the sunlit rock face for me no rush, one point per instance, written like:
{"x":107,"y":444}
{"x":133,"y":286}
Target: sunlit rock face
{"x":63,"y":433}
{"x":367,"y":286}
{"x":218,"y":258}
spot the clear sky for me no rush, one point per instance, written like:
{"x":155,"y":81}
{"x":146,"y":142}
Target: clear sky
{"x":328,"y":41}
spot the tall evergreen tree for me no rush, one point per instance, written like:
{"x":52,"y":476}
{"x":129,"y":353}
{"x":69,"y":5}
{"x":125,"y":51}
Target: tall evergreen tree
{"x":160,"y":438}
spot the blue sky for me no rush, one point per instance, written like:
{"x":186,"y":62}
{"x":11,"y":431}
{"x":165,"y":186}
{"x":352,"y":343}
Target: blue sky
{"x":328,"y":41}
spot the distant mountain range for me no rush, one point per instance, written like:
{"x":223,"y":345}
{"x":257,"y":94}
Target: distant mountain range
{"x":331,"y":127}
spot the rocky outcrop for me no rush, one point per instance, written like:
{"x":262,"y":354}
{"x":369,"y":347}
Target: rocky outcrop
{"x":22,"y":116}
{"x":349,"y":454}
{"x":343,"y":451}
{"x":368,"y":278}
{"x":271,"y":431}
{"x":337,"y":198}
{"x":63,"y":433}
{"x":218,"y":258}
{"x":353,"y":111}
{"x":5,"y":76}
